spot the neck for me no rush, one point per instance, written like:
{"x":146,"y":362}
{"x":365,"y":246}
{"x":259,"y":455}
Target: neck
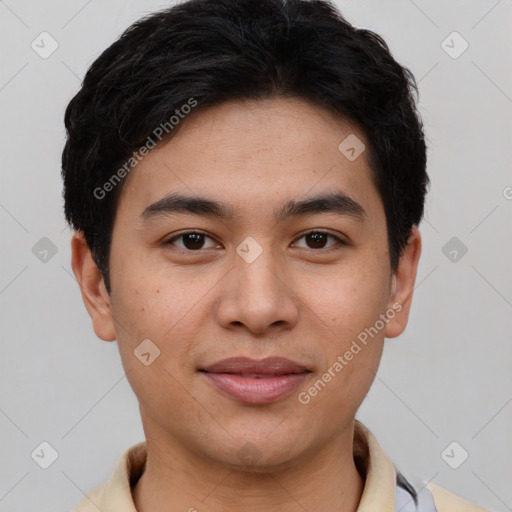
{"x":175,"y":480}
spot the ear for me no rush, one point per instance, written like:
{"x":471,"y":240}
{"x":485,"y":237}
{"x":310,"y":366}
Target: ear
{"x":402,"y":285}
{"x":92,"y":287}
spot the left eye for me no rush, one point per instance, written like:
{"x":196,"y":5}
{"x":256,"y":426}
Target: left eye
{"x":318,"y":239}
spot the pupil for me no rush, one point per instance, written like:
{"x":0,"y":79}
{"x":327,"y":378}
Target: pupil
{"x":196,"y":240}
{"x":317,"y":238}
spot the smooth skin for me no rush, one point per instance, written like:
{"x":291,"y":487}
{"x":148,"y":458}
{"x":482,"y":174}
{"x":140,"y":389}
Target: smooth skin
{"x":198,"y":301}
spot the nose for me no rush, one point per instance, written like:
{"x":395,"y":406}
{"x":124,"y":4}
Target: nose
{"x":258,"y":295}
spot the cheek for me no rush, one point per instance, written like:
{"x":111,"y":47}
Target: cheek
{"x":147,"y":308}
{"x":153,"y":342}
{"x":152,"y":297}
{"x":350,"y":303}
{"x":349,"y":299}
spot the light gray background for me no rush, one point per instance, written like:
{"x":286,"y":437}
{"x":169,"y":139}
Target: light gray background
{"x":448,"y":378}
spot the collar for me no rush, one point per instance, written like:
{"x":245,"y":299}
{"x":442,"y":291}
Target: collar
{"x":377,"y":470}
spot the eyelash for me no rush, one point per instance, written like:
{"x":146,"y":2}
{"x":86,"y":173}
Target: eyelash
{"x":316,"y":231}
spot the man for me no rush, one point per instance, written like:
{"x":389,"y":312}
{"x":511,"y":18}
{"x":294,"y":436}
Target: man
{"x":245,"y":179}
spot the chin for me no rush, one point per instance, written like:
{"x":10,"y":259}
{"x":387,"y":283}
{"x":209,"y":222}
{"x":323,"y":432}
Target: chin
{"x":258,"y":453}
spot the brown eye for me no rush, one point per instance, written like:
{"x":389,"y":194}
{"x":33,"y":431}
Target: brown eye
{"x":319,"y":239}
{"x":316,"y":240}
{"x":191,"y":241}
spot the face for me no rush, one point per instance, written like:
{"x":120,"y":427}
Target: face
{"x":288,"y":259}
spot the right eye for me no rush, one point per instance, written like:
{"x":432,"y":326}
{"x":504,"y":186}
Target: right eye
{"x":191,"y":241}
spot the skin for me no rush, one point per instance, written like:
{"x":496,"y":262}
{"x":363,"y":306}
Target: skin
{"x":298,"y":299}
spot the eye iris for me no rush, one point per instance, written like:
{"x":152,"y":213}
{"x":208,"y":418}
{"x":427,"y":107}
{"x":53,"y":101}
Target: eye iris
{"x":193,"y":240}
{"x":318,"y":239}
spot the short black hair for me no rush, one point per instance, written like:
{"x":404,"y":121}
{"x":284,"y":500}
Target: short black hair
{"x":206,"y":52}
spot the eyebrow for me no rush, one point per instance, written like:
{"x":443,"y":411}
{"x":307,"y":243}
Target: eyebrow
{"x":338,"y":203}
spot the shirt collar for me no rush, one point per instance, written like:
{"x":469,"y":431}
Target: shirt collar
{"x":378,"y":471}
{"x":380,"y":479}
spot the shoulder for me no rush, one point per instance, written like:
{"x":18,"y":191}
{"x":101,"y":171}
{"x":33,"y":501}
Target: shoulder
{"x":115,"y":494}
{"x":446,"y":501}
{"x":91,"y":502}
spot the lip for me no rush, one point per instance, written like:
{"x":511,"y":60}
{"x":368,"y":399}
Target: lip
{"x":256,"y":381}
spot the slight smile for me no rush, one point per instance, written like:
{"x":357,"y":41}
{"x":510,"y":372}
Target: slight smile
{"x":255,"y":381}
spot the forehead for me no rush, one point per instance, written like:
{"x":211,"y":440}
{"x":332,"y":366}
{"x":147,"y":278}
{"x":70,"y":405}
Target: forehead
{"x":258,"y":152}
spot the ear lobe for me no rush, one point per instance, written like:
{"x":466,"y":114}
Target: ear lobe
{"x":92,"y":287}
{"x":402,"y":285}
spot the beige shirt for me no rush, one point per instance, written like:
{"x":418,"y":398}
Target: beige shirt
{"x":378,"y":493}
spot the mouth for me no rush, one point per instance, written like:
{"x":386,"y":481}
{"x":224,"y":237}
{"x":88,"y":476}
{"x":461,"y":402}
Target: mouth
{"x":256,"y":381}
